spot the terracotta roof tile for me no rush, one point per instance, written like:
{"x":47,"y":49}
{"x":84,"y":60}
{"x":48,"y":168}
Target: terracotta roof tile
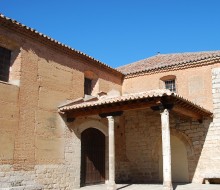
{"x":5,"y":21}
{"x":127,"y":97}
{"x":166,"y":60}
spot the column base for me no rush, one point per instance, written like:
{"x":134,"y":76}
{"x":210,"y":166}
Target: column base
{"x":167,"y":186}
{"x":111,"y":186}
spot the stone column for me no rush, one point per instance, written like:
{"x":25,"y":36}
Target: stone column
{"x":111,"y":135}
{"x":166,"y":149}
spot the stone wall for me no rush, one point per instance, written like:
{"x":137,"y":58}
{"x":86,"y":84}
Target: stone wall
{"x":37,"y":146}
{"x":138,"y":147}
{"x":209,"y":166}
{"x":73,"y":148}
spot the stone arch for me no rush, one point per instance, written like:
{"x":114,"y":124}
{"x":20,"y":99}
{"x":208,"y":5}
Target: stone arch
{"x":188,"y":146}
{"x":185,"y":139}
{"x":93,"y":124}
{"x":187,"y":142}
{"x":92,"y":157}
{"x":96,"y":124}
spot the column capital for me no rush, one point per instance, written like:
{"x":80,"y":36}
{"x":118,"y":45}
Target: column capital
{"x":164,"y":111}
{"x":111,"y":121}
{"x":110,"y":118}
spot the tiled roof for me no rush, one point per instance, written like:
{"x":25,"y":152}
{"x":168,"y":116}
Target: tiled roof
{"x":163,"y":61}
{"x":127,"y":97}
{"x":8,"y":22}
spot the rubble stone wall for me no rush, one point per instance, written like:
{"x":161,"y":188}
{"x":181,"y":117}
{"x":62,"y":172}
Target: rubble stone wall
{"x":138,"y":147}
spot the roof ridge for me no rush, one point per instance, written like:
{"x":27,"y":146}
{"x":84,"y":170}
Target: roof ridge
{"x":190,"y":52}
{"x":164,"y":61}
{"x":168,"y":54}
{"x":169,"y":65}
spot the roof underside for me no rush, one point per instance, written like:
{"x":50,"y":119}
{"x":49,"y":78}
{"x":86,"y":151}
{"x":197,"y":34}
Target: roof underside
{"x":150,"y":99}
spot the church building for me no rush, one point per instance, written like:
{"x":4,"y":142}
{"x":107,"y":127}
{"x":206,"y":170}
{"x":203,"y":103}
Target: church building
{"x":68,"y":120}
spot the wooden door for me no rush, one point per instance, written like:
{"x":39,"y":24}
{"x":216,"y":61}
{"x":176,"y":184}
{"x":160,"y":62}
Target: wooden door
{"x":92,"y":157}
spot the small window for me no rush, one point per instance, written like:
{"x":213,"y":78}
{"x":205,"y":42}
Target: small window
{"x":87,"y":86}
{"x":5,"y":57}
{"x":170,"y":85}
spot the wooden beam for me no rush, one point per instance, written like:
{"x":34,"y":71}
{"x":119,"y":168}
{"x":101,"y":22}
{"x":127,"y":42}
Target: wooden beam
{"x":104,"y":115}
{"x":187,"y":112}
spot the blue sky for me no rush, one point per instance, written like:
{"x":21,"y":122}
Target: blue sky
{"x":119,"y":32}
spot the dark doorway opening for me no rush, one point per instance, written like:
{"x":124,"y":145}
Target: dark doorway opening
{"x":92,"y":157}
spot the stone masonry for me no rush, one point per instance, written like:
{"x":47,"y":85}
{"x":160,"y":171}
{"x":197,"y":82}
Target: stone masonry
{"x":138,"y":161}
{"x":41,"y":149}
{"x":209,"y":166}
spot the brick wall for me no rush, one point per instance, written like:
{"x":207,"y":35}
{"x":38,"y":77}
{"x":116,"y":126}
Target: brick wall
{"x":40,"y":147}
{"x":36,"y":146}
{"x":9,"y":119}
{"x":194,"y":84}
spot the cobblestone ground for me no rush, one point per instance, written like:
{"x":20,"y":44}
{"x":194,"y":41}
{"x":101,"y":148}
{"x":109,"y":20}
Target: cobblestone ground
{"x":190,"y":186}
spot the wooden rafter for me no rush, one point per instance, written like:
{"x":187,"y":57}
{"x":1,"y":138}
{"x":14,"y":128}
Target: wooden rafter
{"x":187,"y":112}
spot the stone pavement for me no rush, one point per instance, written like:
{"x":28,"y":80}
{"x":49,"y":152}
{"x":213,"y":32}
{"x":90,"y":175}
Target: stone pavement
{"x":190,"y":186}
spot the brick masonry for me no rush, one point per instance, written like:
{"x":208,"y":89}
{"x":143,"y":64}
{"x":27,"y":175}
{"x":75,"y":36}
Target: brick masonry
{"x":193,"y":83}
{"x":39,"y":149}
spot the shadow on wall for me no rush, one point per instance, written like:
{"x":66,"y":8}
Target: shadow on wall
{"x":143,"y":159}
{"x":187,"y":141}
{"x":66,"y":61}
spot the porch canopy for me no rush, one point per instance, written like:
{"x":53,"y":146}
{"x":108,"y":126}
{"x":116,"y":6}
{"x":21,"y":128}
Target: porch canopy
{"x":158,"y":100}
{"x":154,"y":99}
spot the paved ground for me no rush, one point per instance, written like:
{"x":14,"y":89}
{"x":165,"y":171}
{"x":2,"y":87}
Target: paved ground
{"x":190,"y":186}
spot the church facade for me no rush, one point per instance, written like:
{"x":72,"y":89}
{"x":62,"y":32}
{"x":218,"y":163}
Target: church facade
{"x":68,"y":120}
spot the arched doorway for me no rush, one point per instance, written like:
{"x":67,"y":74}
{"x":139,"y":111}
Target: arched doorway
{"x":92,"y":157}
{"x":179,"y":161}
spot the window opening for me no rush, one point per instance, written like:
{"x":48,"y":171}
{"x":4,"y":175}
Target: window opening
{"x":87,"y":86}
{"x":5,"y":57}
{"x":170,"y":85}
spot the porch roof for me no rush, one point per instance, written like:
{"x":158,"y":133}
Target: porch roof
{"x":154,"y":99}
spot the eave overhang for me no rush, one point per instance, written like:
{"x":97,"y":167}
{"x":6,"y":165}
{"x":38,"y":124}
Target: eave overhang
{"x":54,"y":44}
{"x":154,"y":99}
